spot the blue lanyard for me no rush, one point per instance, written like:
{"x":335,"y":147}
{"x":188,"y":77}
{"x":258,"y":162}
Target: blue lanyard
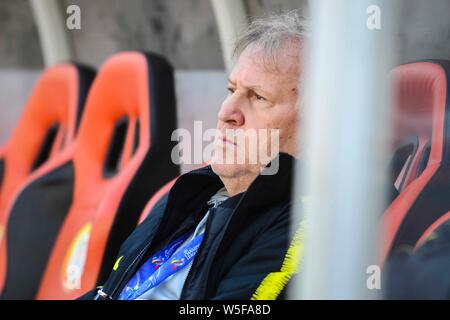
{"x":160,"y":266}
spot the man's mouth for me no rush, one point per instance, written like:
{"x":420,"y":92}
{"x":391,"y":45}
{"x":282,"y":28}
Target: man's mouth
{"x":223,"y":139}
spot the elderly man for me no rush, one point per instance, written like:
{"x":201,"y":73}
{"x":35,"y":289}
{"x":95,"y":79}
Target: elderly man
{"x":223,"y":230}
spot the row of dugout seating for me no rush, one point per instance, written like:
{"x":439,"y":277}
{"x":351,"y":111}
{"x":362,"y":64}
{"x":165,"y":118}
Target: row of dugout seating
{"x":69,"y":207}
{"x":77,"y":198}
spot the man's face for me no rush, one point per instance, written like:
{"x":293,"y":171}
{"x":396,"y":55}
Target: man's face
{"x":262,"y":96}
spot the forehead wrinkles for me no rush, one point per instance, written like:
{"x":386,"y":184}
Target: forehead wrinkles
{"x":254,"y":66}
{"x":286,"y":57}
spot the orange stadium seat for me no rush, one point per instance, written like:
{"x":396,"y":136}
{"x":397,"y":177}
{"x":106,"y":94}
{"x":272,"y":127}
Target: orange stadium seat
{"x":47,"y":126}
{"x":421,"y":91}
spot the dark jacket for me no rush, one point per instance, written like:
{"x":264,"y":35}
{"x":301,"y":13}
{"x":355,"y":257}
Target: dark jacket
{"x":246,"y":237}
{"x":423,"y":274}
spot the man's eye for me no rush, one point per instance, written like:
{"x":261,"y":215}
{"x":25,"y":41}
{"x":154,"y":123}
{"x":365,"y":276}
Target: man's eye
{"x":261,"y":98}
{"x":231,"y":90}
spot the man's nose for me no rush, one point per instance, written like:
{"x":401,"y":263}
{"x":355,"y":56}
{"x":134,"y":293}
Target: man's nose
{"x":231,"y":112}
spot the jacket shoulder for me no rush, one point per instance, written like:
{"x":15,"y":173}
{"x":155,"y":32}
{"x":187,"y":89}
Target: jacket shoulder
{"x":147,"y":227}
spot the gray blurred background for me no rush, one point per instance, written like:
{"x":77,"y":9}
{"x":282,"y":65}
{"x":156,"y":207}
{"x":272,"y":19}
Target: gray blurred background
{"x":185,"y":32}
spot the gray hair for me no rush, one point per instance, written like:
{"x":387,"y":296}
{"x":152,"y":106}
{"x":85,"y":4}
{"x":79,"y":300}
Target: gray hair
{"x":270,"y":32}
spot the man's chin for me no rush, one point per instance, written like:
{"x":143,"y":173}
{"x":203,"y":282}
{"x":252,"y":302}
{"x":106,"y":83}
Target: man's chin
{"x":234,"y":170}
{"x":226,"y":170}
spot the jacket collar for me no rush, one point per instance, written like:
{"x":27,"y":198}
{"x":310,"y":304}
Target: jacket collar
{"x":272,"y":188}
{"x":263,"y":191}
